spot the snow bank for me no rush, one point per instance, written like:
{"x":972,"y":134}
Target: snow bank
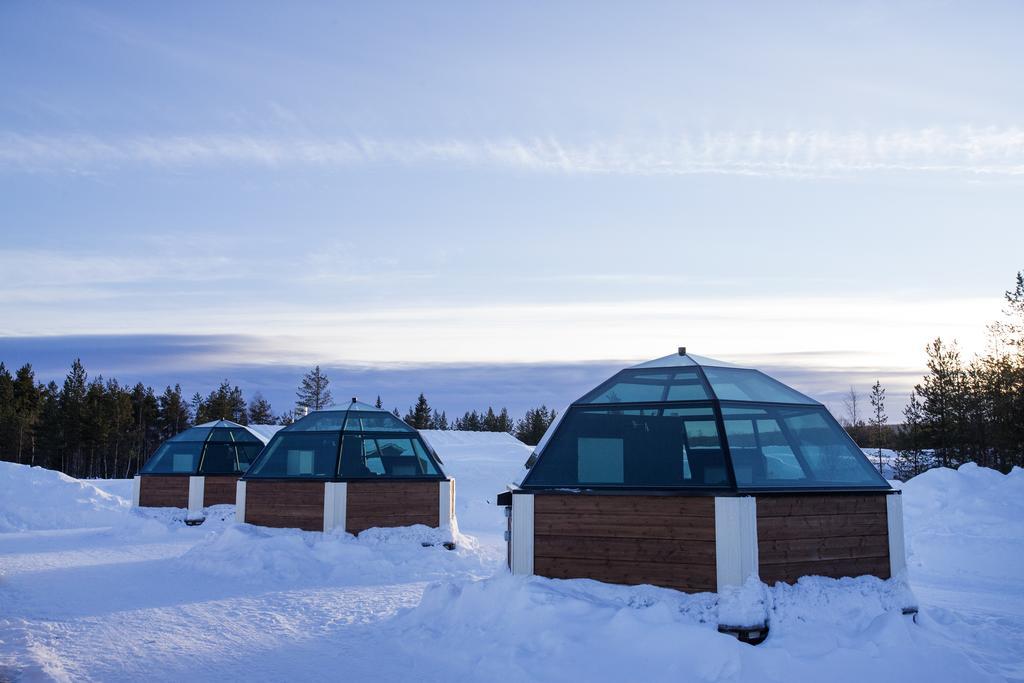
{"x":968,"y":521}
{"x":33,"y":498}
{"x":483,"y":464}
{"x":282,"y":556}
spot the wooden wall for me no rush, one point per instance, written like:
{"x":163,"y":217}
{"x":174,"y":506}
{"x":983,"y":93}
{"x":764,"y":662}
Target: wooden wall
{"x":163,"y":492}
{"x":826,"y":535}
{"x":662,"y":540}
{"x":289,"y":504}
{"x":391,"y":503}
{"x":219,"y":490}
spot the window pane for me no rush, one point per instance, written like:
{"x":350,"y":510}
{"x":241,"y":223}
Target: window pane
{"x":364,"y":457}
{"x":193,"y":434}
{"x":602,"y":447}
{"x":645,"y":386}
{"x":301,"y":455}
{"x":733,"y":384}
{"x":783,"y":447}
{"x":175,"y":457}
{"x":375,"y":422}
{"x":244,"y":436}
{"x":320,"y":421}
{"x":219,"y":458}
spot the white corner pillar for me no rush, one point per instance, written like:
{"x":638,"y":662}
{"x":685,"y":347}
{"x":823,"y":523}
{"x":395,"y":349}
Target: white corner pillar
{"x":735,"y":540}
{"x":446,"y":504}
{"x":522,"y":533}
{"x":897,"y":545}
{"x":335,"y":505}
{"x":136,"y":490}
{"x":196,"y":492}
{"x":240,"y":502}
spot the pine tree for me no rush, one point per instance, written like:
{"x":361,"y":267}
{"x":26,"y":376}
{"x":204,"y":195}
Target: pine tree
{"x":223,"y":403}
{"x":72,"y":407}
{"x":420,"y":414}
{"x":27,"y":398}
{"x":878,"y":419}
{"x":260,"y":412}
{"x":174,"y":416}
{"x":379,"y":403}
{"x":7,"y":418}
{"x":438,"y":420}
{"x":531,"y":428}
{"x":940,"y":394}
{"x":313,"y":393}
{"x":911,"y":459}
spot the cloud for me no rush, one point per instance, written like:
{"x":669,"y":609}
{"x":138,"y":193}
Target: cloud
{"x":968,"y":150}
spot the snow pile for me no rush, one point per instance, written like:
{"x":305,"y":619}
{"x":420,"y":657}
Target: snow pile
{"x":33,"y":498}
{"x":483,"y":464}
{"x":281,"y":556}
{"x":968,"y":522}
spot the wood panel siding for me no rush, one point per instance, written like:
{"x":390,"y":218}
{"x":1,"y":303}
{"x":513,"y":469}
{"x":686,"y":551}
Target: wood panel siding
{"x":826,"y":535}
{"x":163,"y":492}
{"x":219,"y":490}
{"x":661,"y":540}
{"x":288,"y":504}
{"x":391,"y":503}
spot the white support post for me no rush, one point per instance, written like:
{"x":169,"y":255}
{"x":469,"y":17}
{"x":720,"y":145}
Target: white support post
{"x":446,"y":503}
{"x":240,"y":502}
{"x":136,"y":490}
{"x":335,"y":505}
{"x":522,"y":533}
{"x":897,"y":545}
{"x":196,"y":492}
{"x":735,"y":540}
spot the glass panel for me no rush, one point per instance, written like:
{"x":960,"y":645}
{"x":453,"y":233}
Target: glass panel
{"x":175,"y":457}
{"x":794,"y":447}
{"x":645,"y":386}
{"x":321,"y":421}
{"x":220,"y":458}
{"x":194,"y":434}
{"x":732,"y":384}
{"x":244,"y":436}
{"x":369,"y":458}
{"x":594,"y":447}
{"x":376,"y":422}
{"x":299,"y":455}
{"x":223,"y":435}
{"x":247,"y":454}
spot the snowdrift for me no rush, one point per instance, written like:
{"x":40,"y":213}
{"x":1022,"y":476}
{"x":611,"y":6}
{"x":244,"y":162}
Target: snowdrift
{"x":33,"y":498}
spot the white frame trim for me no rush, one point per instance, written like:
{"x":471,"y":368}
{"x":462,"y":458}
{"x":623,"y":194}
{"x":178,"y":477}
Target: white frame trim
{"x":136,"y":490}
{"x":522,"y":533}
{"x":196,"y":493}
{"x":335,"y":505}
{"x":240,"y":502}
{"x":446,"y":503}
{"x":897,"y":543}
{"x":735,"y":540}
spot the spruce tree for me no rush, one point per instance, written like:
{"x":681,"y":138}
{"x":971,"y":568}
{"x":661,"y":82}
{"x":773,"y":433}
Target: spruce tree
{"x":72,"y":407}
{"x":419,"y":416}
{"x":27,"y":406}
{"x":174,"y":416}
{"x":260,"y":411}
{"x":7,"y":418}
{"x":379,"y":403}
{"x":313,"y":392}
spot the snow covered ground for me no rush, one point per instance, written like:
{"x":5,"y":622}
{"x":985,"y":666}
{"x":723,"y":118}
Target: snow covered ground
{"x":93,"y":590}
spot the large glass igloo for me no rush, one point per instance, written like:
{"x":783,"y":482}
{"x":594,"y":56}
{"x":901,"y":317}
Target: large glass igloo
{"x":688,"y":422}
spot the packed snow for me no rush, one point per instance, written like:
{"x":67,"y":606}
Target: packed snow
{"x":91,"y":589}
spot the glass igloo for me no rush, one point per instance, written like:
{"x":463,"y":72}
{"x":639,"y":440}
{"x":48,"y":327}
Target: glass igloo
{"x":688,"y":422}
{"x":357,"y":442}
{"x":218,"y":447}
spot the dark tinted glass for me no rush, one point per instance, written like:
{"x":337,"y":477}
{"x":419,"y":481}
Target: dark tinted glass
{"x":649,"y":386}
{"x":193,"y":434}
{"x":372,"y":457}
{"x":294,"y":454}
{"x":608,"y":448}
{"x":175,"y":457}
{"x":362,"y":421}
{"x":784,"y":447}
{"x":321,"y":421}
{"x":244,"y":436}
{"x":734,"y":384}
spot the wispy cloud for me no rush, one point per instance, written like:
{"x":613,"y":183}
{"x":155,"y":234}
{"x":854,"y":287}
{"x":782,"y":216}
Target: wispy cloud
{"x":976,"y":151}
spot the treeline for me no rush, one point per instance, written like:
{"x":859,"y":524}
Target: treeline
{"x":101,"y":428}
{"x":962,"y":410}
{"x":529,"y":429}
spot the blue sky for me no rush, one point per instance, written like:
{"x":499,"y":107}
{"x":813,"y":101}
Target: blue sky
{"x":455,"y":196}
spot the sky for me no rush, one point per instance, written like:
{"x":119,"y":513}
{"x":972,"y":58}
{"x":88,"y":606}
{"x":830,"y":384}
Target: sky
{"x":504,"y":203}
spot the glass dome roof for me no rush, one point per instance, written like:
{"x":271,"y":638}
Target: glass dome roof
{"x":688,"y":422}
{"x":218,"y":447}
{"x":357,"y":442}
